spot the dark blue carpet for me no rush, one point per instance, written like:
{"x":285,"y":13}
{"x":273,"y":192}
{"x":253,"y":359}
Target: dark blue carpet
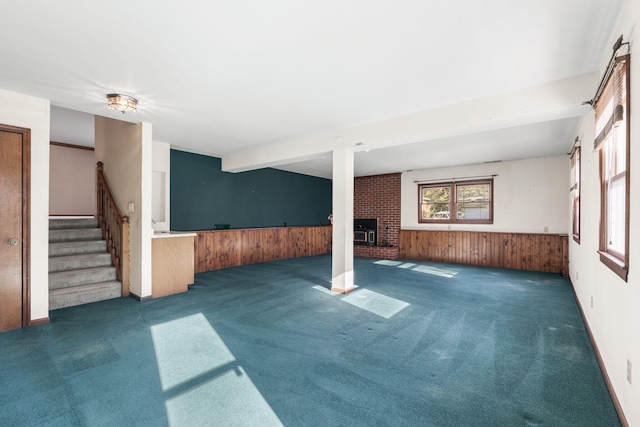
{"x":417,"y":344}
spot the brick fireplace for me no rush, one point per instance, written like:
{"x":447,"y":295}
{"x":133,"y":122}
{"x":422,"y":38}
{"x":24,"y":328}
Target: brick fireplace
{"x":378,"y":196}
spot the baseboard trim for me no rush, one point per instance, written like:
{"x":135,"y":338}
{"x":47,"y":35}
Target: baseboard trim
{"x":141,"y":299}
{"x":38,"y":322}
{"x":603,"y":369}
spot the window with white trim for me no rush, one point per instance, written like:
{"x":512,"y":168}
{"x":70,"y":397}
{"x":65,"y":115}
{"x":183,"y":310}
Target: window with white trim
{"x":612,"y":139}
{"x":466,"y":202}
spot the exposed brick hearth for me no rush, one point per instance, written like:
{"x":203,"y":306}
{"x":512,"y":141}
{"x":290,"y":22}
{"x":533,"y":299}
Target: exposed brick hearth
{"x":378,"y":196}
{"x":376,"y":252}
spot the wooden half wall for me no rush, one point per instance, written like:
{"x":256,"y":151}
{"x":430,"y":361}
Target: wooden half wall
{"x":216,"y":249}
{"x":522,"y":251}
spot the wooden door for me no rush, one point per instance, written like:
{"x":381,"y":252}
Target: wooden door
{"x":14,"y":204}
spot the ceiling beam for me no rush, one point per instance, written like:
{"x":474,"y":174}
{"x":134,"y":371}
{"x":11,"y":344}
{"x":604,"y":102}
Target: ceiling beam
{"x":551,"y":101}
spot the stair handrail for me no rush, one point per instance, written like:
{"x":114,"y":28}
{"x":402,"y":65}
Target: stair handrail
{"x":115,"y":229}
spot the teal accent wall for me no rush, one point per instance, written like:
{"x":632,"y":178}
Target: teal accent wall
{"x":202,"y":195}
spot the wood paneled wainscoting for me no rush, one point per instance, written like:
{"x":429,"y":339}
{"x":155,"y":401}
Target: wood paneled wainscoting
{"x":216,"y":249}
{"x":521,"y":251}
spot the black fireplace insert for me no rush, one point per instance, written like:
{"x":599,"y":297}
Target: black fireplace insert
{"x":365,"y":231}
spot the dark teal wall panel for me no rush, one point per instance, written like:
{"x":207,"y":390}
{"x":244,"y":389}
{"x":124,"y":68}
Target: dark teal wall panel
{"x":202,"y":196}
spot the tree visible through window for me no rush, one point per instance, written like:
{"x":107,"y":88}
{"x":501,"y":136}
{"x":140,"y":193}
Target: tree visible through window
{"x":461,"y":202}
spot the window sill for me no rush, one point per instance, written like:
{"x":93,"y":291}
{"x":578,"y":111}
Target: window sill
{"x":615,"y":264}
{"x":459,"y":221}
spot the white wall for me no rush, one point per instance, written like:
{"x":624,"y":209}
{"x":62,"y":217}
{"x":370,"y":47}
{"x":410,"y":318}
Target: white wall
{"x":125,"y":149}
{"x":528,"y":195}
{"x":614,"y":318}
{"x":33,"y":113}
{"x":161,"y":178}
{"x":72,"y":181}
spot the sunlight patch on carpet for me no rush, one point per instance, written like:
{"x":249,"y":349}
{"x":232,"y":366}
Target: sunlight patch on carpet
{"x":388,"y":263}
{"x":375,"y":303}
{"x":230,"y":399}
{"x":329,"y":291}
{"x":428,"y":269}
{"x":435,"y":271}
{"x":201,"y":378}
{"x":186,"y":348}
{"x":407,"y":265}
{"x":325,"y":290}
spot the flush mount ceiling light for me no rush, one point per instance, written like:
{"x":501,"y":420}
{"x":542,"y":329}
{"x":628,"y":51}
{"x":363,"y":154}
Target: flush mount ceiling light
{"x":122,"y":103}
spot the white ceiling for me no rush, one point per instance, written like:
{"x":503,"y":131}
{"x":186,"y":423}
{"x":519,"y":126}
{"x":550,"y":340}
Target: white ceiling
{"x":225,"y":77}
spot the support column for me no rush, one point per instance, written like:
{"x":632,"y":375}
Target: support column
{"x":342,"y":245}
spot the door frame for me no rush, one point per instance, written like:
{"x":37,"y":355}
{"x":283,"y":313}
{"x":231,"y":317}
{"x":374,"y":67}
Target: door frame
{"x":26,"y":219}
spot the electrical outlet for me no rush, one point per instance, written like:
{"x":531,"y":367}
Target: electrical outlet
{"x":591,"y":301}
{"x":629,"y":370}
{"x":577,"y":275}
{"x":546,"y":229}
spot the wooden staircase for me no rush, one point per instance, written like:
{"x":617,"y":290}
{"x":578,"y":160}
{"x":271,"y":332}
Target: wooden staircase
{"x":80,"y":267}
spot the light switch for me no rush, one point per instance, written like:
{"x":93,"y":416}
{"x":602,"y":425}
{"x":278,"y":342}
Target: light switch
{"x":131,"y":207}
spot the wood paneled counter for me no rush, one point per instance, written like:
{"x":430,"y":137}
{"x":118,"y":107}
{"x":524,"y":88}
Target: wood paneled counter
{"x":172,"y":263}
{"x":215,"y":249}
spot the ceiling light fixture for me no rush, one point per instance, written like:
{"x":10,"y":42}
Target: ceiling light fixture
{"x":122,"y":103}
